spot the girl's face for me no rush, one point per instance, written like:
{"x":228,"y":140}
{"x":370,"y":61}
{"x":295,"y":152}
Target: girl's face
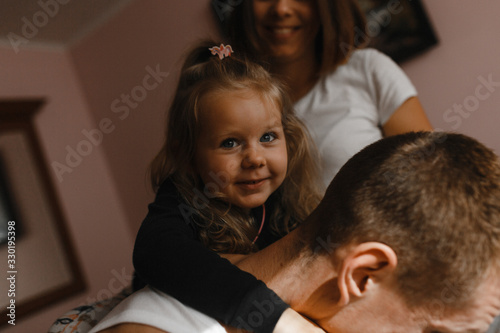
{"x":241,"y":149}
{"x":287,"y":28}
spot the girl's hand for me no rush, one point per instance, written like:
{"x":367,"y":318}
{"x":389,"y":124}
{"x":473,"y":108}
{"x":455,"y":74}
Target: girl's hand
{"x":291,"y":322}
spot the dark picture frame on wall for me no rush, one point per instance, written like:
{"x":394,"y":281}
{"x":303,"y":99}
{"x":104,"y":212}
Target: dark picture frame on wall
{"x":399,"y":28}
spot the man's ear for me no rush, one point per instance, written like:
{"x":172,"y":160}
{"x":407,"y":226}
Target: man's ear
{"x":363,"y":265}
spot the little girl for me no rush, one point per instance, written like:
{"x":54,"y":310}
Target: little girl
{"x":236,"y":173}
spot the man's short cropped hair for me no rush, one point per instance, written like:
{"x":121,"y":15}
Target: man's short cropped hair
{"x":434,"y":198}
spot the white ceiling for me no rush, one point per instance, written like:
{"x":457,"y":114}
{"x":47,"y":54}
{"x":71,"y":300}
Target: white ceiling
{"x":53,"y":23}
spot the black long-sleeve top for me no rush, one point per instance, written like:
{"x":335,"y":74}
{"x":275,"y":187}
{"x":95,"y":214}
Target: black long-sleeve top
{"x":169,"y":256}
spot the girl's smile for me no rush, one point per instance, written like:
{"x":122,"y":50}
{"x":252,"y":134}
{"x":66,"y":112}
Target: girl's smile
{"x":241,"y":138}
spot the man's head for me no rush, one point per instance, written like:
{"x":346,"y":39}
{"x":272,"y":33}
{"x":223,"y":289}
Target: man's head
{"x":412,"y":222}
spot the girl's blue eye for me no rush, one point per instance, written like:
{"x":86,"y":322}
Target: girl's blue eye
{"x":228,"y":143}
{"x":268,"y":137}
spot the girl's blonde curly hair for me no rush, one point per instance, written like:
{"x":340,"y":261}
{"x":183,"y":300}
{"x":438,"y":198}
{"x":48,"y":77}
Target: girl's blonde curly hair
{"x":222,"y":227}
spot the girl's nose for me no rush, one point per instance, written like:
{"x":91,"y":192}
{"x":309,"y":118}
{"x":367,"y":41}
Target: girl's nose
{"x":253,"y":158}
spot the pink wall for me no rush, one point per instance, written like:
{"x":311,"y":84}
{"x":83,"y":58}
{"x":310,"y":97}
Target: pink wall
{"x":106,"y":196}
{"x":149,"y":35}
{"x":451,"y":76}
{"x":89,"y":200}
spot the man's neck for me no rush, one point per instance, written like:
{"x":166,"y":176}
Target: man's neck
{"x":295,"y":277}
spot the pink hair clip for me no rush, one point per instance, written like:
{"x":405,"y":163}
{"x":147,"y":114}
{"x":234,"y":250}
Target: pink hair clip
{"x":222,"y":51}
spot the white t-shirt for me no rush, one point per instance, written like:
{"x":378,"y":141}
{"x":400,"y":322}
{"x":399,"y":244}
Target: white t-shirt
{"x":152,"y":307}
{"x":345,"y":110}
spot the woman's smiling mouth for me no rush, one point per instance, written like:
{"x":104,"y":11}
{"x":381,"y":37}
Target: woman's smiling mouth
{"x":282,"y":32}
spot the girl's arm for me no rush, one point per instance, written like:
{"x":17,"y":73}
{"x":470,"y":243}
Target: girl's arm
{"x":168,"y":257}
{"x":394,"y":95}
{"x":410,"y":116}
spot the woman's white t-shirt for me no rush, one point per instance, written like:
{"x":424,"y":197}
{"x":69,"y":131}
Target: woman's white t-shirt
{"x":345,"y":110}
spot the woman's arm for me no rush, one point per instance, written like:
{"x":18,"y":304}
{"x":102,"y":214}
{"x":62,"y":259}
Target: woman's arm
{"x":410,"y":116}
